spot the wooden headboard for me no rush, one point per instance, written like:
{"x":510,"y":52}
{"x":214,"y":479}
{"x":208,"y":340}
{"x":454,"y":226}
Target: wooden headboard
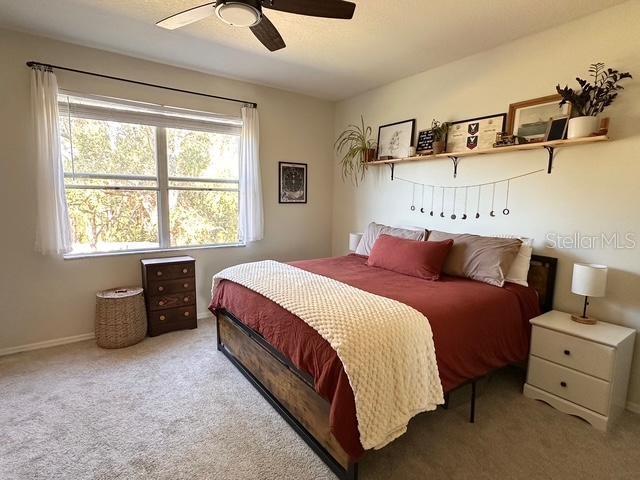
{"x":542,"y":277}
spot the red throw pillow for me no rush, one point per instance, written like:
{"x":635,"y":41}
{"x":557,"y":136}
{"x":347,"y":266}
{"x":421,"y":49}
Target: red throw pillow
{"x":410,"y":257}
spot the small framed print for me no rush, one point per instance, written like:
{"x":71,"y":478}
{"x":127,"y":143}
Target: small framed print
{"x":475,"y":133}
{"x":531,"y":119}
{"x":557,"y":129}
{"x":395,"y":139}
{"x":292,"y":182}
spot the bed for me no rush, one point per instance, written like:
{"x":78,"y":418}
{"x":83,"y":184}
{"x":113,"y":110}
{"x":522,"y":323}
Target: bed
{"x":477,"y":328}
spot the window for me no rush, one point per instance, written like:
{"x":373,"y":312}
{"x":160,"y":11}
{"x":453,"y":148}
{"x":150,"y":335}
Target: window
{"x":140,"y":176}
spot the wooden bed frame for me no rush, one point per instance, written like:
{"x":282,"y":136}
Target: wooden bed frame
{"x":291,"y":392}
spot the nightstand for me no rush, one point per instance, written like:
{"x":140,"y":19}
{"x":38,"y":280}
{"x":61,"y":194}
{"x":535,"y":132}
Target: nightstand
{"x":170,"y":293}
{"x":580,"y":369}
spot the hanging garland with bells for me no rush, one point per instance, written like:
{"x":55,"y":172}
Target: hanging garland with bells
{"x":477,"y":189}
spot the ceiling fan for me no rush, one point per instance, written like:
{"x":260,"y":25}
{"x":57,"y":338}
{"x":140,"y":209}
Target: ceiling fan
{"x":248,"y":13}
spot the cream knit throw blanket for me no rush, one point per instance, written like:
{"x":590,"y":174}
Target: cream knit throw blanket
{"x":385,"y":346}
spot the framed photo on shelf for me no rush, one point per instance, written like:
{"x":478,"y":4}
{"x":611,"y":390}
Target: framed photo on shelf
{"x":531,"y":119}
{"x":395,"y":139}
{"x":475,"y":133}
{"x":292,"y":182}
{"x":557,"y":128}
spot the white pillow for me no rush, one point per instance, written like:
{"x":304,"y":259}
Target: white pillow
{"x":519,"y":270}
{"x":374,"y":230}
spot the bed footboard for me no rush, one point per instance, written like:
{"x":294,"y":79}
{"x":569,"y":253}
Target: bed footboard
{"x":293,"y":398}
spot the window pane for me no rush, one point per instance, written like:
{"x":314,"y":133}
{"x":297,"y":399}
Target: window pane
{"x":101,"y":147}
{"x":203,"y":217}
{"x":202,"y":154}
{"x":111,"y":220}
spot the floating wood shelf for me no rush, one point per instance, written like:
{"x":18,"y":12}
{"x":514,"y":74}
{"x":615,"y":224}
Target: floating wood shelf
{"x":455,"y":156}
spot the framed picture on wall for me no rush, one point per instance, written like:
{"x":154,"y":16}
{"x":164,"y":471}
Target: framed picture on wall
{"x":395,"y":139}
{"x":475,"y":133}
{"x":292,"y":182}
{"x":530,"y":119}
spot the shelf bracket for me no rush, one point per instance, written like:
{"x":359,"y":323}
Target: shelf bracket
{"x":551,"y":151}
{"x":393,"y":168}
{"x":455,"y":161}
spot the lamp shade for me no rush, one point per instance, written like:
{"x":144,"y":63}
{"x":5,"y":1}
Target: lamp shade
{"x":589,"y":280}
{"x":354,"y":240}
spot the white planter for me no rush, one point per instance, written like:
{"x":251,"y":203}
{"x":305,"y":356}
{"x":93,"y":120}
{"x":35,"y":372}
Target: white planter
{"x":582,"y":127}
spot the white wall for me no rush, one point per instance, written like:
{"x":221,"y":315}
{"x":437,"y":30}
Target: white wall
{"x":592,"y":189}
{"x":45,"y":298}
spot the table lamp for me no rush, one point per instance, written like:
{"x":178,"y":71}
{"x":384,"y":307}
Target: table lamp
{"x":591,"y":281}
{"x":354,"y":240}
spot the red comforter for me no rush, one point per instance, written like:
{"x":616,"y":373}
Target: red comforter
{"x":476,"y":329}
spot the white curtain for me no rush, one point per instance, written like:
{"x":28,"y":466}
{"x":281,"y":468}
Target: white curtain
{"x":251,"y":217}
{"x":53,"y":233}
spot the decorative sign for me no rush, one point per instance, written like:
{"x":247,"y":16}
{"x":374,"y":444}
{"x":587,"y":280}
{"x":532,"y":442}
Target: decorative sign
{"x":475,"y":133}
{"x":425,"y":142}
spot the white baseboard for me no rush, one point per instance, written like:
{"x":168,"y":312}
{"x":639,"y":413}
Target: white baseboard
{"x":47,"y":343}
{"x":65,"y":340}
{"x":633,"y":407}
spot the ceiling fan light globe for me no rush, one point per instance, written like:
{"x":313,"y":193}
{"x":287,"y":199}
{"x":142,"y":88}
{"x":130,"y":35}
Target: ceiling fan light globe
{"x":238,"y":14}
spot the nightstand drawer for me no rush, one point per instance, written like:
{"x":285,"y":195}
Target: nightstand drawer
{"x":171,"y":271}
{"x":171,"y":286}
{"x":588,"y":357}
{"x":590,"y":392}
{"x":172,"y":300}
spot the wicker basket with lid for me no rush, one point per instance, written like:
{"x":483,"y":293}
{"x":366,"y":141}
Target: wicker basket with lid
{"x":121,"y":319}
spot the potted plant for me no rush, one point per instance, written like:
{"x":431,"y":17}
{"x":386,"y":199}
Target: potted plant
{"x":360,"y":149}
{"x":591,"y":99}
{"x":439,"y":130}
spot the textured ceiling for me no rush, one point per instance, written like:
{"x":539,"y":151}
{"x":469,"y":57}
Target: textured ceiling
{"x":333,"y":59}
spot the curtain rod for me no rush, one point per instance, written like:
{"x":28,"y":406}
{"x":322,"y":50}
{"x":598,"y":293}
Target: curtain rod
{"x":32,"y":64}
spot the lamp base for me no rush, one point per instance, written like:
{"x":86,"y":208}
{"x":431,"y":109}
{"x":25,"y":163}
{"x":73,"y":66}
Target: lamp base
{"x":584,"y":320}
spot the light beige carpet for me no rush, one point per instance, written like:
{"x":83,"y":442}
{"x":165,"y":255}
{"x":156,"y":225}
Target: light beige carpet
{"x":172,"y":407}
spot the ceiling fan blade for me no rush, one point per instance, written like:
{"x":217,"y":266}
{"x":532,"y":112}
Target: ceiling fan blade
{"x":313,"y":8}
{"x":268,"y":35}
{"x":188,"y":16}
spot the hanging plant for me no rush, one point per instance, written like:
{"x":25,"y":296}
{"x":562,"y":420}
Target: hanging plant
{"x":592,"y":98}
{"x":358,"y":149}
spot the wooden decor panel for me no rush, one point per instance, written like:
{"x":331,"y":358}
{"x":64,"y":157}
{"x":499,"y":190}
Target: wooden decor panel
{"x":302,"y":402}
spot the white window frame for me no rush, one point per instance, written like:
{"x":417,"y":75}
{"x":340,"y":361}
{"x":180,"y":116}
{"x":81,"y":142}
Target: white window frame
{"x":160,"y":117}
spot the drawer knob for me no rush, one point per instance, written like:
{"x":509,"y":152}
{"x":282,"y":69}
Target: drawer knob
{"x":159,"y":273}
{"x":161,"y":302}
{"x":185,"y":285}
{"x":567,"y":352}
{"x":186,"y":299}
{"x":161,"y":289}
{"x":563,"y":384}
{"x":186,"y":314}
{"x":184,"y":270}
{"x":163,"y":318}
